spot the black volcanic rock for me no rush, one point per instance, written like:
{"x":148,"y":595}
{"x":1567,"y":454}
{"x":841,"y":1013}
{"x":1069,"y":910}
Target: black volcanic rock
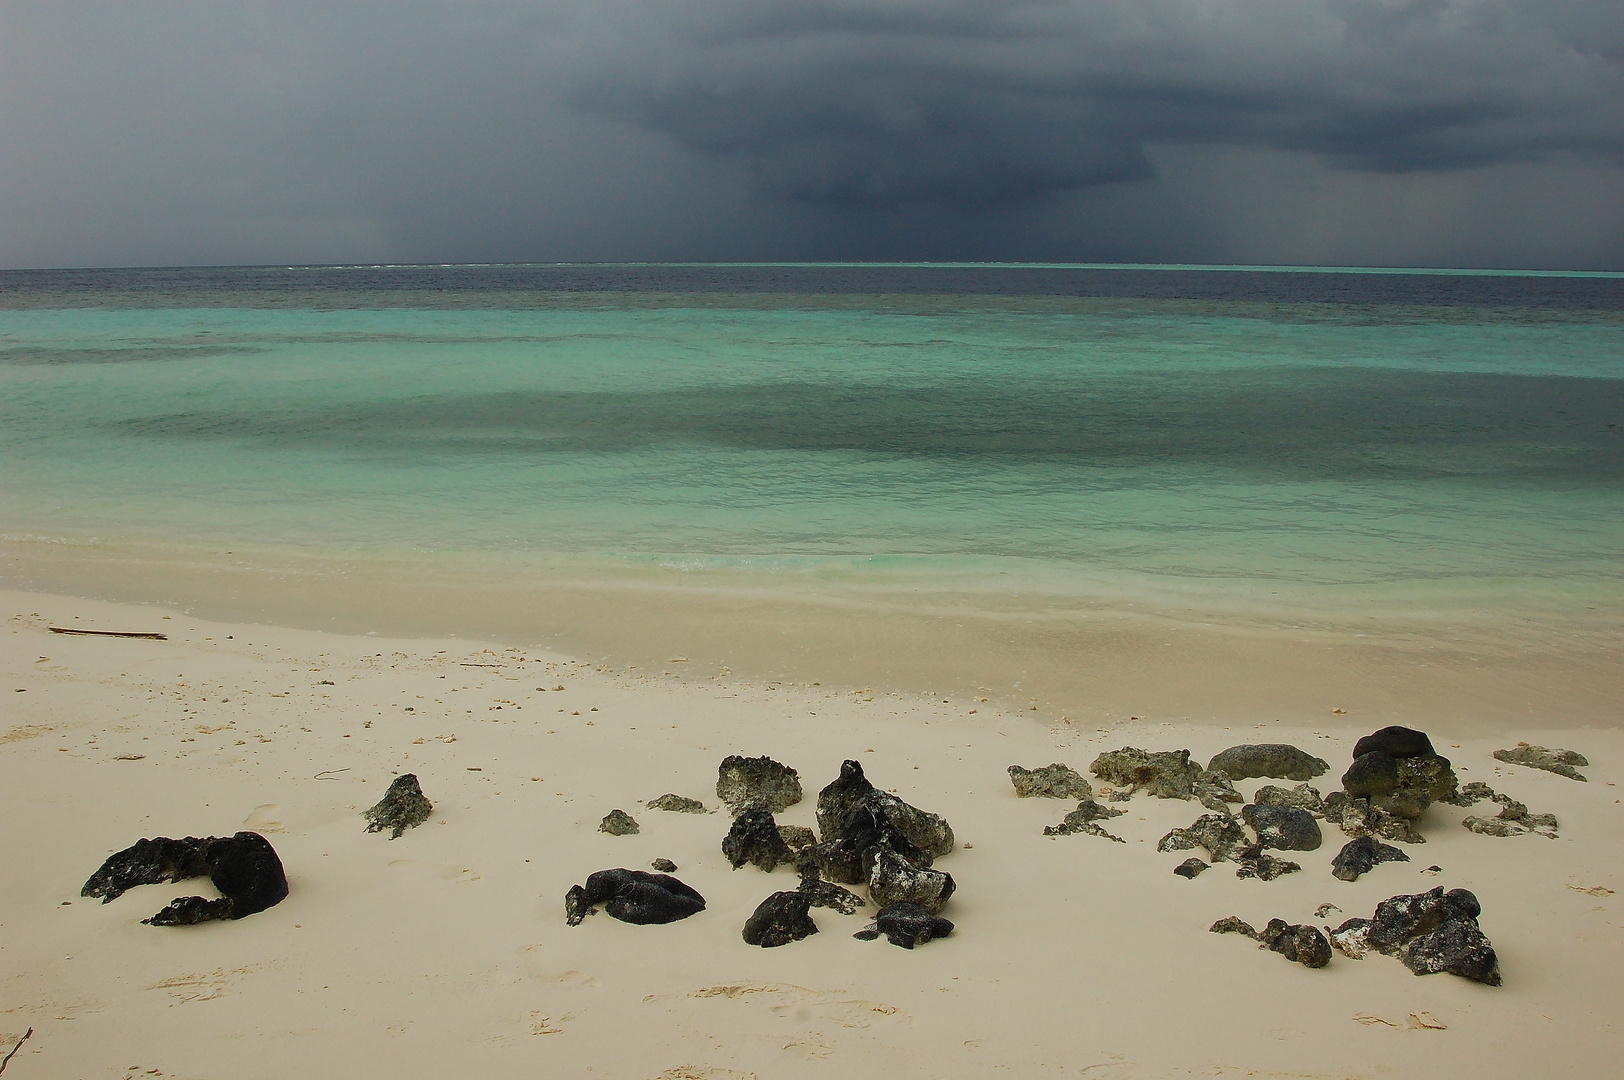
{"x":779,"y":920}
{"x":905,"y":925}
{"x":1302,"y":944}
{"x":1430,"y":932}
{"x":244,"y":867}
{"x":1361,"y":855}
{"x":1396,"y":742}
{"x":632,"y":896}
{"x":754,"y":838}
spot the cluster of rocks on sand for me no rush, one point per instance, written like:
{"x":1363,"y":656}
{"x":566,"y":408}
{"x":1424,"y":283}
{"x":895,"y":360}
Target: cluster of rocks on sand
{"x":1394,"y":777}
{"x":870,"y":838}
{"x":865,"y":837}
{"x":1430,"y":932}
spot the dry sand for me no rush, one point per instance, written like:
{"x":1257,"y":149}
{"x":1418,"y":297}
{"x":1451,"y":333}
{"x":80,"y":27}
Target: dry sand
{"x":446,"y":951}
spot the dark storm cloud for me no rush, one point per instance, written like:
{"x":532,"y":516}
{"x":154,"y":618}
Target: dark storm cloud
{"x":1472,"y":132}
{"x":878,"y":102}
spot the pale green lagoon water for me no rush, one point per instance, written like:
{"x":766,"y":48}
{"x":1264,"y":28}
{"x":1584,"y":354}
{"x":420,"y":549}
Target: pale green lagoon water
{"x":1211,"y":445}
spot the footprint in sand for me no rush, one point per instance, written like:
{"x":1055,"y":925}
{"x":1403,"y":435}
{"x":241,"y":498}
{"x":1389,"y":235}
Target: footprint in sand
{"x":802,"y":1005}
{"x":451,"y":873}
{"x":189,"y":988}
{"x":266,"y":818}
{"x":548,"y":1025}
{"x":704,"y":1072}
{"x":536,"y":967}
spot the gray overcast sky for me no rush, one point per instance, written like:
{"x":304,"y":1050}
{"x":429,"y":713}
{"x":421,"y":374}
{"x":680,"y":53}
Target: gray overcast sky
{"x":1374,"y":132}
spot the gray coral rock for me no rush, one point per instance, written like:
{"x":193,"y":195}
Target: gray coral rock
{"x":676,"y":804}
{"x":1277,"y":760}
{"x":820,"y":893}
{"x":754,"y":838}
{"x":1352,"y":938}
{"x":905,"y":925}
{"x":1561,"y":762}
{"x":618,"y":823}
{"x":1473,"y":793}
{"x":664,"y":866}
{"x":1513,"y":819}
{"x":895,"y":880}
{"x":1284,"y":828}
{"x":797,"y":837}
{"x":1302,"y":797}
{"x":1166,"y":774}
{"x":1230,"y":924}
{"x":1361,"y":855}
{"x":1215,"y":791}
{"x":1190,"y":868}
{"x":1297,"y":942}
{"x":1221,"y":836}
{"x":1302,"y":944}
{"x":779,"y":920}
{"x":1356,"y":817}
{"x":1082,"y":820}
{"x":1264,"y":867}
{"x":402,"y":807}
{"x":1054,"y":781}
{"x":742,"y":783}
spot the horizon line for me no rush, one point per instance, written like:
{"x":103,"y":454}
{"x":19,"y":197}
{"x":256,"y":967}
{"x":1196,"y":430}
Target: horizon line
{"x":1285,"y":268}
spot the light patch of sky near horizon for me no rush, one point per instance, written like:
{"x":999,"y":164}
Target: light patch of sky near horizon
{"x":159,"y":133}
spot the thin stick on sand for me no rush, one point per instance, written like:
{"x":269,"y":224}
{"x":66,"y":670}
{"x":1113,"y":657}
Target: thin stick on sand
{"x":14,"y":1049}
{"x":147,"y":634}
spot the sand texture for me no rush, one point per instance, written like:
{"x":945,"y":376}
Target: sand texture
{"x":445,"y":952}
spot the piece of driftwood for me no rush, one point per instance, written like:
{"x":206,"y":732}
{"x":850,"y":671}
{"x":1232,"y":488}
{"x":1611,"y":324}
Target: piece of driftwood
{"x":148,"y":635}
{"x":14,"y":1049}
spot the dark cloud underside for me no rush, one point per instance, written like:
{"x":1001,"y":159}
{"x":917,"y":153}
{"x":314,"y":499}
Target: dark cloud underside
{"x":1434,"y":131}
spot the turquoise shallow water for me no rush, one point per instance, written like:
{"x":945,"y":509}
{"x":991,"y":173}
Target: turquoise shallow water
{"x":1143,"y":437}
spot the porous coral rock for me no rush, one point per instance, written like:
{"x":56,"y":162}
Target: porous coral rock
{"x":894,"y":880}
{"x":402,"y":807}
{"x":1561,"y":762}
{"x":1054,"y":781}
{"x":1166,"y":774}
{"x":742,"y":783}
{"x":1284,"y":828}
{"x":1277,"y":760}
{"x":676,"y":804}
{"x":1302,"y":797}
{"x":1222,"y":837}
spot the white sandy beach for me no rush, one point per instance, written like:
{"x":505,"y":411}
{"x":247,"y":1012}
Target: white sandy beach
{"x":446,"y":951}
